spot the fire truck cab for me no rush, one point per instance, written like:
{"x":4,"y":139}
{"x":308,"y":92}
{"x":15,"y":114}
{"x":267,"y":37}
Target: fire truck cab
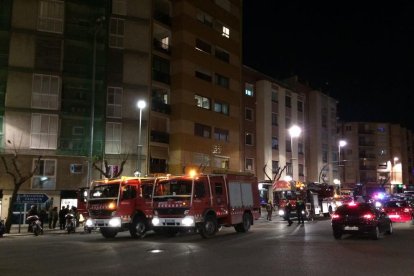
{"x":204,"y":203}
{"x":122,"y":204}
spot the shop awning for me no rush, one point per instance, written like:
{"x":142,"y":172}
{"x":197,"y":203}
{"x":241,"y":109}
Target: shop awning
{"x":281,"y":185}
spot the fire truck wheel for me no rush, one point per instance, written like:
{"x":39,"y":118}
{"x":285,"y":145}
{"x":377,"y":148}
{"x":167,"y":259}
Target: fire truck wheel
{"x":138,"y":228}
{"x":108,"y":233}
{"x":245,"y":225}
{"x":209,"y":228}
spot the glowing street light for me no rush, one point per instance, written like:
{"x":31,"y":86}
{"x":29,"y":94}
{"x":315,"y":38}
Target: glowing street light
{"x":294,"y":132}
{"x":141,"y":104}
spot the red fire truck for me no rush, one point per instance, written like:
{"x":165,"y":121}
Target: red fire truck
{"x":203,"y":203}
{"x":121,"y":204}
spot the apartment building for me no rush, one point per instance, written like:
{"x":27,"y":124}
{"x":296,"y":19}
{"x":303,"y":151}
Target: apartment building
{"x":270,"y":109}
{"x":72,"y":73}
{"x":377,"y":154}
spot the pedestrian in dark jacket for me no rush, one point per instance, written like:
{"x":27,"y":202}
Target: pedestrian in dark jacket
{"x":288,"y":209}
{"x":42,"y":216}
{"x":269,"y":209}
{"x":55,"y":217}
{"x":62,"y":219}
{"x":300,"y":210}
{"x":31,"y":212}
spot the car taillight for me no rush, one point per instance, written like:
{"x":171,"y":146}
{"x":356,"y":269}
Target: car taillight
{"x":368,"y":216}
{"x":335,"y":216}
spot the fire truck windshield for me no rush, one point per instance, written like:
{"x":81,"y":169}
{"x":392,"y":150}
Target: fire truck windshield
{"x":103,"y":191}
{"x":168,"y":188}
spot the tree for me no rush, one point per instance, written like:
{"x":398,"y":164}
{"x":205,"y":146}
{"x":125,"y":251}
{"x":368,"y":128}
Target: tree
{"x":106,"y":172}
{"x":13,"y":168}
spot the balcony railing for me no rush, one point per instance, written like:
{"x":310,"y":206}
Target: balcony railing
{"x":161,"y":107}
{"x":160,"y":137}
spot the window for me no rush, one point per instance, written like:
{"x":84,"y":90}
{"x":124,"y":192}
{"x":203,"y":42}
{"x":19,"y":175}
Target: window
{"x":119,"y":7}
{"x":288,"y":145}
{"x":222,"y":55}
{"x":45,"y":91}
{"x":288,"y":101}
{"x":203,"y":46}
{"x":202,"y":102}
{"x":275,"y":166}
{"x":348,"y":128}
{"x":249,"y":139}
{"x":301,"y":171}
{"x":225,"y":32}
{"x":289,"y":169}
{"x":116,"y":33}
{"x":161,"y":69}
{"x":249,"y":114}
{"x":221,"y":162}
{"x":202,"y":130}
{"x":300,"y":106}
{"x":129,"y":192}
{"x":221,"y":108}
{"x":51,"y":16}
{"x":274,"y":96}
{"x":43,"y":134}
{"x":249,"y":89}
{"x":221,"y":134}
{"x":113,"y":138}
{"x":205,"y":18}
{"x":274,"y":119}
{"x":275,"y":143}
{"x":324,"y":153}
{"x":249,"y":164}
{"x":300,"y":148}
{"x":204,"y":75}
{"x":48,"y":55}
{"x":44,"y":177}
{"x":114,"y":102}
{"x":199,"y":189}
{"x":222,"y":81}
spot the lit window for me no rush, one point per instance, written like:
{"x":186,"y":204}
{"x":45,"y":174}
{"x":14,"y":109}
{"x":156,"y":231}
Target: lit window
{"x":221,"y":108}
{"x":44,"y":177}
{"x":202,"y":102}
{"x":114,"y":102}
{"x":45,"y":91}
{"x":249,"y":89}
{"x":226,"y":32}
{"x":116,"y":33}
{"x":43,"y":134}
{"x":113,"y":138}
{"x":51,"y":15}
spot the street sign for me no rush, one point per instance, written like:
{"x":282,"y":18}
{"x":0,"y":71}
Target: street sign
{"x":32,"y":198}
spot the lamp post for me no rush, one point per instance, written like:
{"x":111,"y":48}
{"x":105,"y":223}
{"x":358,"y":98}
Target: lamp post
{"x":341,"y":144}
{"x":294,"y":132}
{"x":97,"y":27}
{"x":141,"y":104}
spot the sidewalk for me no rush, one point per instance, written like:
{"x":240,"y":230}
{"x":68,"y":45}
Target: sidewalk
{"x":14,"y":231}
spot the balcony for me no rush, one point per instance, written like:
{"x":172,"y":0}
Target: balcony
{"x":161,"y":47}
{"x":160,"y":137}
{"x":159,"y":106}
{"x":161,"y":77}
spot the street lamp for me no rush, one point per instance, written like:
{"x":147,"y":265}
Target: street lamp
{"x":294,"y":132}
{"x":141,"y":104}
{"x":97,"y":27}
{"x":341,"y":144}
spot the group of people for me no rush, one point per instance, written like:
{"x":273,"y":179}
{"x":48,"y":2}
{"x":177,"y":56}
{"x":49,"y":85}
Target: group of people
{"x":53,"y":216}
{"x":300,"y":211}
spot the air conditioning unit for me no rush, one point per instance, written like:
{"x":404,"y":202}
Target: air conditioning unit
{"x":76,"y":168}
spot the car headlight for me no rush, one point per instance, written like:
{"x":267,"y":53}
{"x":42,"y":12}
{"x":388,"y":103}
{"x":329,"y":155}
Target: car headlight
{"x":114,"y":222}
{"x":188,"y":221}
{"x":89,"y":223}
{"x":155,"y":221}
{"x":281,"y":213}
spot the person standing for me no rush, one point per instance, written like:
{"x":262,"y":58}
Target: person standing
{"x":62,"y":219}
{"x":55,"y":217}
{"x":42,"y":216}
{"x":269,"y":209}
{"x":300,"y":210}
{"x":31,"y":212}
{"x":288,"y":209}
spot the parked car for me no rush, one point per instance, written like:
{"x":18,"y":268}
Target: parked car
{"x":399,"y":210}
{"x":360,"y":218}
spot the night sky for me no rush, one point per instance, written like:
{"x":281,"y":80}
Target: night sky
{"x":361,"y":54}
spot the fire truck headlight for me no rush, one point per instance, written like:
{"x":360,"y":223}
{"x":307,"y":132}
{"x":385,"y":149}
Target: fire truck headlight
{"x":89,"y":223}
{"x":111,"y":206}
{"x":188,"y":221}
{"x":378,"y":204}
{"x":155,"y":221}
{"x":281,"y":213}
{"x":114,"y":222}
